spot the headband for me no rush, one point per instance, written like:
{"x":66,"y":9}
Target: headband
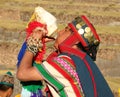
{"x":7,"y":79}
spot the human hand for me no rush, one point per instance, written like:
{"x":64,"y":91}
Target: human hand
{"x":34,"y":42}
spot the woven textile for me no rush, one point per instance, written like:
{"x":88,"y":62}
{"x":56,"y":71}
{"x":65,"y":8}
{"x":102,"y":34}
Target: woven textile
{"x":61,"y":77}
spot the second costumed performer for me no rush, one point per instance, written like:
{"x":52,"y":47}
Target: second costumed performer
{"x":41,"y":21}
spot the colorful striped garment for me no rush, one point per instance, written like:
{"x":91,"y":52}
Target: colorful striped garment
{"x":61,"y":77}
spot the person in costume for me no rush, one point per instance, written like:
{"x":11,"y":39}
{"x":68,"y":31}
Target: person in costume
{"x":43,"y":23}
{"x":7,"y":85}
{"x":70,"y":71}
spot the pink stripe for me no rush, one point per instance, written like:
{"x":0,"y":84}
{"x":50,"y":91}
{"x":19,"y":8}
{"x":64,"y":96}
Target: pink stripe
{"x":69,"y":68}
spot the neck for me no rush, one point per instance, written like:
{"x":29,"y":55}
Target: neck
{"x":72,"y":50}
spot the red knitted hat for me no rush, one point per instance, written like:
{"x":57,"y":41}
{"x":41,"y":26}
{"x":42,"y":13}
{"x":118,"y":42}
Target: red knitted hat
{"x":34,"y":25}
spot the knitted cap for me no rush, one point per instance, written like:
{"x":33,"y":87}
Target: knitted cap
{"x":84,"y":31}
{"x":8,"y":79}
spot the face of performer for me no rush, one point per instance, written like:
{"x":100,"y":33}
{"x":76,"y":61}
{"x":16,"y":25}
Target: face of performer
{"x":39,"y":33}
{"x":61,"y":36}
{"x":6,"y":93}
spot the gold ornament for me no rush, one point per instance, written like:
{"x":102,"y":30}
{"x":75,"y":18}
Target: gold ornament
{"x":78,"y":26}
{"x":87,"y":29}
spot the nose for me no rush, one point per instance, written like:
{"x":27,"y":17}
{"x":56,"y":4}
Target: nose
{"x":55,"y":45}
{"x":46,"y":32}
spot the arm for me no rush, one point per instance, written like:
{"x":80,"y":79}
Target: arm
{"x":26,"y":72}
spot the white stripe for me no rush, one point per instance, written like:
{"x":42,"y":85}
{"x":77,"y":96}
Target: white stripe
{"x":25,"y":93}
{"x":68,"y":88}
{"x":54,"y":93}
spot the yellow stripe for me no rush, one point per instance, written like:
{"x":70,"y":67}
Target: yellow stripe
{"x":33,"y":17}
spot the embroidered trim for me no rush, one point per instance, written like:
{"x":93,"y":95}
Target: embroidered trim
{"x":69,"y":69}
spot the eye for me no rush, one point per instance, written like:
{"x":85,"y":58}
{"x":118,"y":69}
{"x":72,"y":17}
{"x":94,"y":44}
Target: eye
{"x":39,"y":30}
{"x":66,"y":28}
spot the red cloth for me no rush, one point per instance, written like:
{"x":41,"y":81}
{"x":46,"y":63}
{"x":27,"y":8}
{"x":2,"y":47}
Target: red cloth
{"x":39,"y":57}
{"x":31,"y":26}
{"x":34,"y":24}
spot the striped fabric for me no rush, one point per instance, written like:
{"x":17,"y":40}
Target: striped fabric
{"x":61,"y":77}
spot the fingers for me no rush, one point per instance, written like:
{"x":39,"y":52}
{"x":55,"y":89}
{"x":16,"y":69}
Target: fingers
{"x":34,"y":44}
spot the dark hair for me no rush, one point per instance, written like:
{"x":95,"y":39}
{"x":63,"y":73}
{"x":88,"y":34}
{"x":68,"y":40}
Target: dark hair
{"x":91,"y":50}
{"x":5,"y":87}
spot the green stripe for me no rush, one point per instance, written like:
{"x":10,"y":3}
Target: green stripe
{"x":5,"y":83}
{"x":51,"y":79}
